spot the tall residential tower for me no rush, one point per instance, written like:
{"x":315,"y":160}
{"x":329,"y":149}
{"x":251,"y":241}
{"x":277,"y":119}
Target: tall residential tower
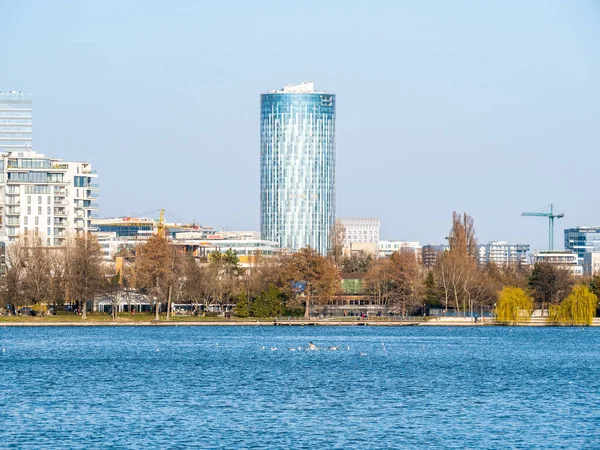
{"x":15,"y":121}
{"x":297,"y":167}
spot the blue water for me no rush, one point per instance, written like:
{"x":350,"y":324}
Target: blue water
{"x":223,"y":387}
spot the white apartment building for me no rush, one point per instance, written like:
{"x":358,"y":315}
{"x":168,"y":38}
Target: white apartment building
{"x":54,"y":197}
{"x":361,"y":234}
{"x":386,"y":248}
{"x":565,"y":260}
{"x":502,"y":253}
{"x":591,"y":263}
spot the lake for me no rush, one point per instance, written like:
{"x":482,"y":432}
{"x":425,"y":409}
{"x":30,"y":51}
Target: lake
{"x":243,"y":387}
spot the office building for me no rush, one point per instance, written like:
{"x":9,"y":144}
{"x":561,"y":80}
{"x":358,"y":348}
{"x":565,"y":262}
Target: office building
{"x":360,"y":234}
{"x":15,"y":121}
{"x":502,"y":253}
{"x":582,"y":240}
{"x":297,"y":167}
{"x":47,"y":195}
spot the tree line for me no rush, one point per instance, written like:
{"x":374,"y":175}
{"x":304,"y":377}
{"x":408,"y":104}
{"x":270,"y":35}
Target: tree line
{"x":297,"y":283}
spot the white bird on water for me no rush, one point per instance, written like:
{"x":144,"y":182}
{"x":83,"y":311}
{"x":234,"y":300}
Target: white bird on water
{"x":273,"y":349}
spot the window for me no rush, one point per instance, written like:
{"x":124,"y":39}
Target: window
{"x":29,"y":199}
{"x":29,"y":210}
{"x":39,"y":199}
{"x":37,"y":220}
{"x":39,"y":209}
{"x":49,"y":199}
{"x":48,"y":210}
{"x":25,"y":220}
{"x":48,"y":220}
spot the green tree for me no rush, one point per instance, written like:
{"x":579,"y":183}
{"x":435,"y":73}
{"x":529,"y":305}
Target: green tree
{"x":268,"y":304}
{"x":549,"y":284}
{"x":577,"y":309}
{"x":514,"y":305}
{"x":242,"y":305}
{"x":432,"y":295}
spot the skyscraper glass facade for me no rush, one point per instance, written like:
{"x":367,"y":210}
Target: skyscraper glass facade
{"x":15,"y":121}
{"x":582,"y":240}
{"x":297,"y":167}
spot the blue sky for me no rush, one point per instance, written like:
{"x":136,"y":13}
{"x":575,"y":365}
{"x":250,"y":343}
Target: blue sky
{"x":492,"y":108}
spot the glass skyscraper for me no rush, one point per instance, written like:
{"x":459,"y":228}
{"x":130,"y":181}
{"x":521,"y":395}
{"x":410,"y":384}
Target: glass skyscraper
{"x":15,"y":121}
{"x":297,"y":167}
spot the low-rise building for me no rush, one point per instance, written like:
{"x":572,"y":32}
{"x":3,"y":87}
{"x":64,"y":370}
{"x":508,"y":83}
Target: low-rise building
{"x":247,"y":245}
{"x":120,"y":236}
{"x":565,"y":260}
{"x":386,"y":248}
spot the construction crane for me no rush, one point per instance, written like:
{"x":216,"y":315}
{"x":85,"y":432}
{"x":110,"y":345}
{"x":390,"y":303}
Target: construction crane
{"x":547,"y":211}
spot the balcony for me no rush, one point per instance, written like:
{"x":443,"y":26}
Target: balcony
{"x":12,"y":201}
{"x":60,"y":166}
{"x":60,"y":192}
{"x":13,"y":212}
{"x":60,"y":212}
{"x":60,"y":223}
{"x":94,"y":186}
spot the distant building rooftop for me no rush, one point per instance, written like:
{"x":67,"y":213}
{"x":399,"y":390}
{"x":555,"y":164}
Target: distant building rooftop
{"x":306,"y":87}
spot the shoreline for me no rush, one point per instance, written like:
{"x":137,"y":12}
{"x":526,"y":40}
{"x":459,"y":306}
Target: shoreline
{"x":271,"y":323}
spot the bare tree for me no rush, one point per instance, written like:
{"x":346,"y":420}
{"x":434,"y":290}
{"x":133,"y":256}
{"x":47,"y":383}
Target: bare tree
{"x":154,"y":269}
{"x":462,"y":235}
{"x":13,"y":282}
{"x":337,"y":236}
{"x":85,"y":270}
{"x":316,"y":277}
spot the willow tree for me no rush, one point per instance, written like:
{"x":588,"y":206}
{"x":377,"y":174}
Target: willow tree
{"x":577,"y":309}
{"x":514,"y":305}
